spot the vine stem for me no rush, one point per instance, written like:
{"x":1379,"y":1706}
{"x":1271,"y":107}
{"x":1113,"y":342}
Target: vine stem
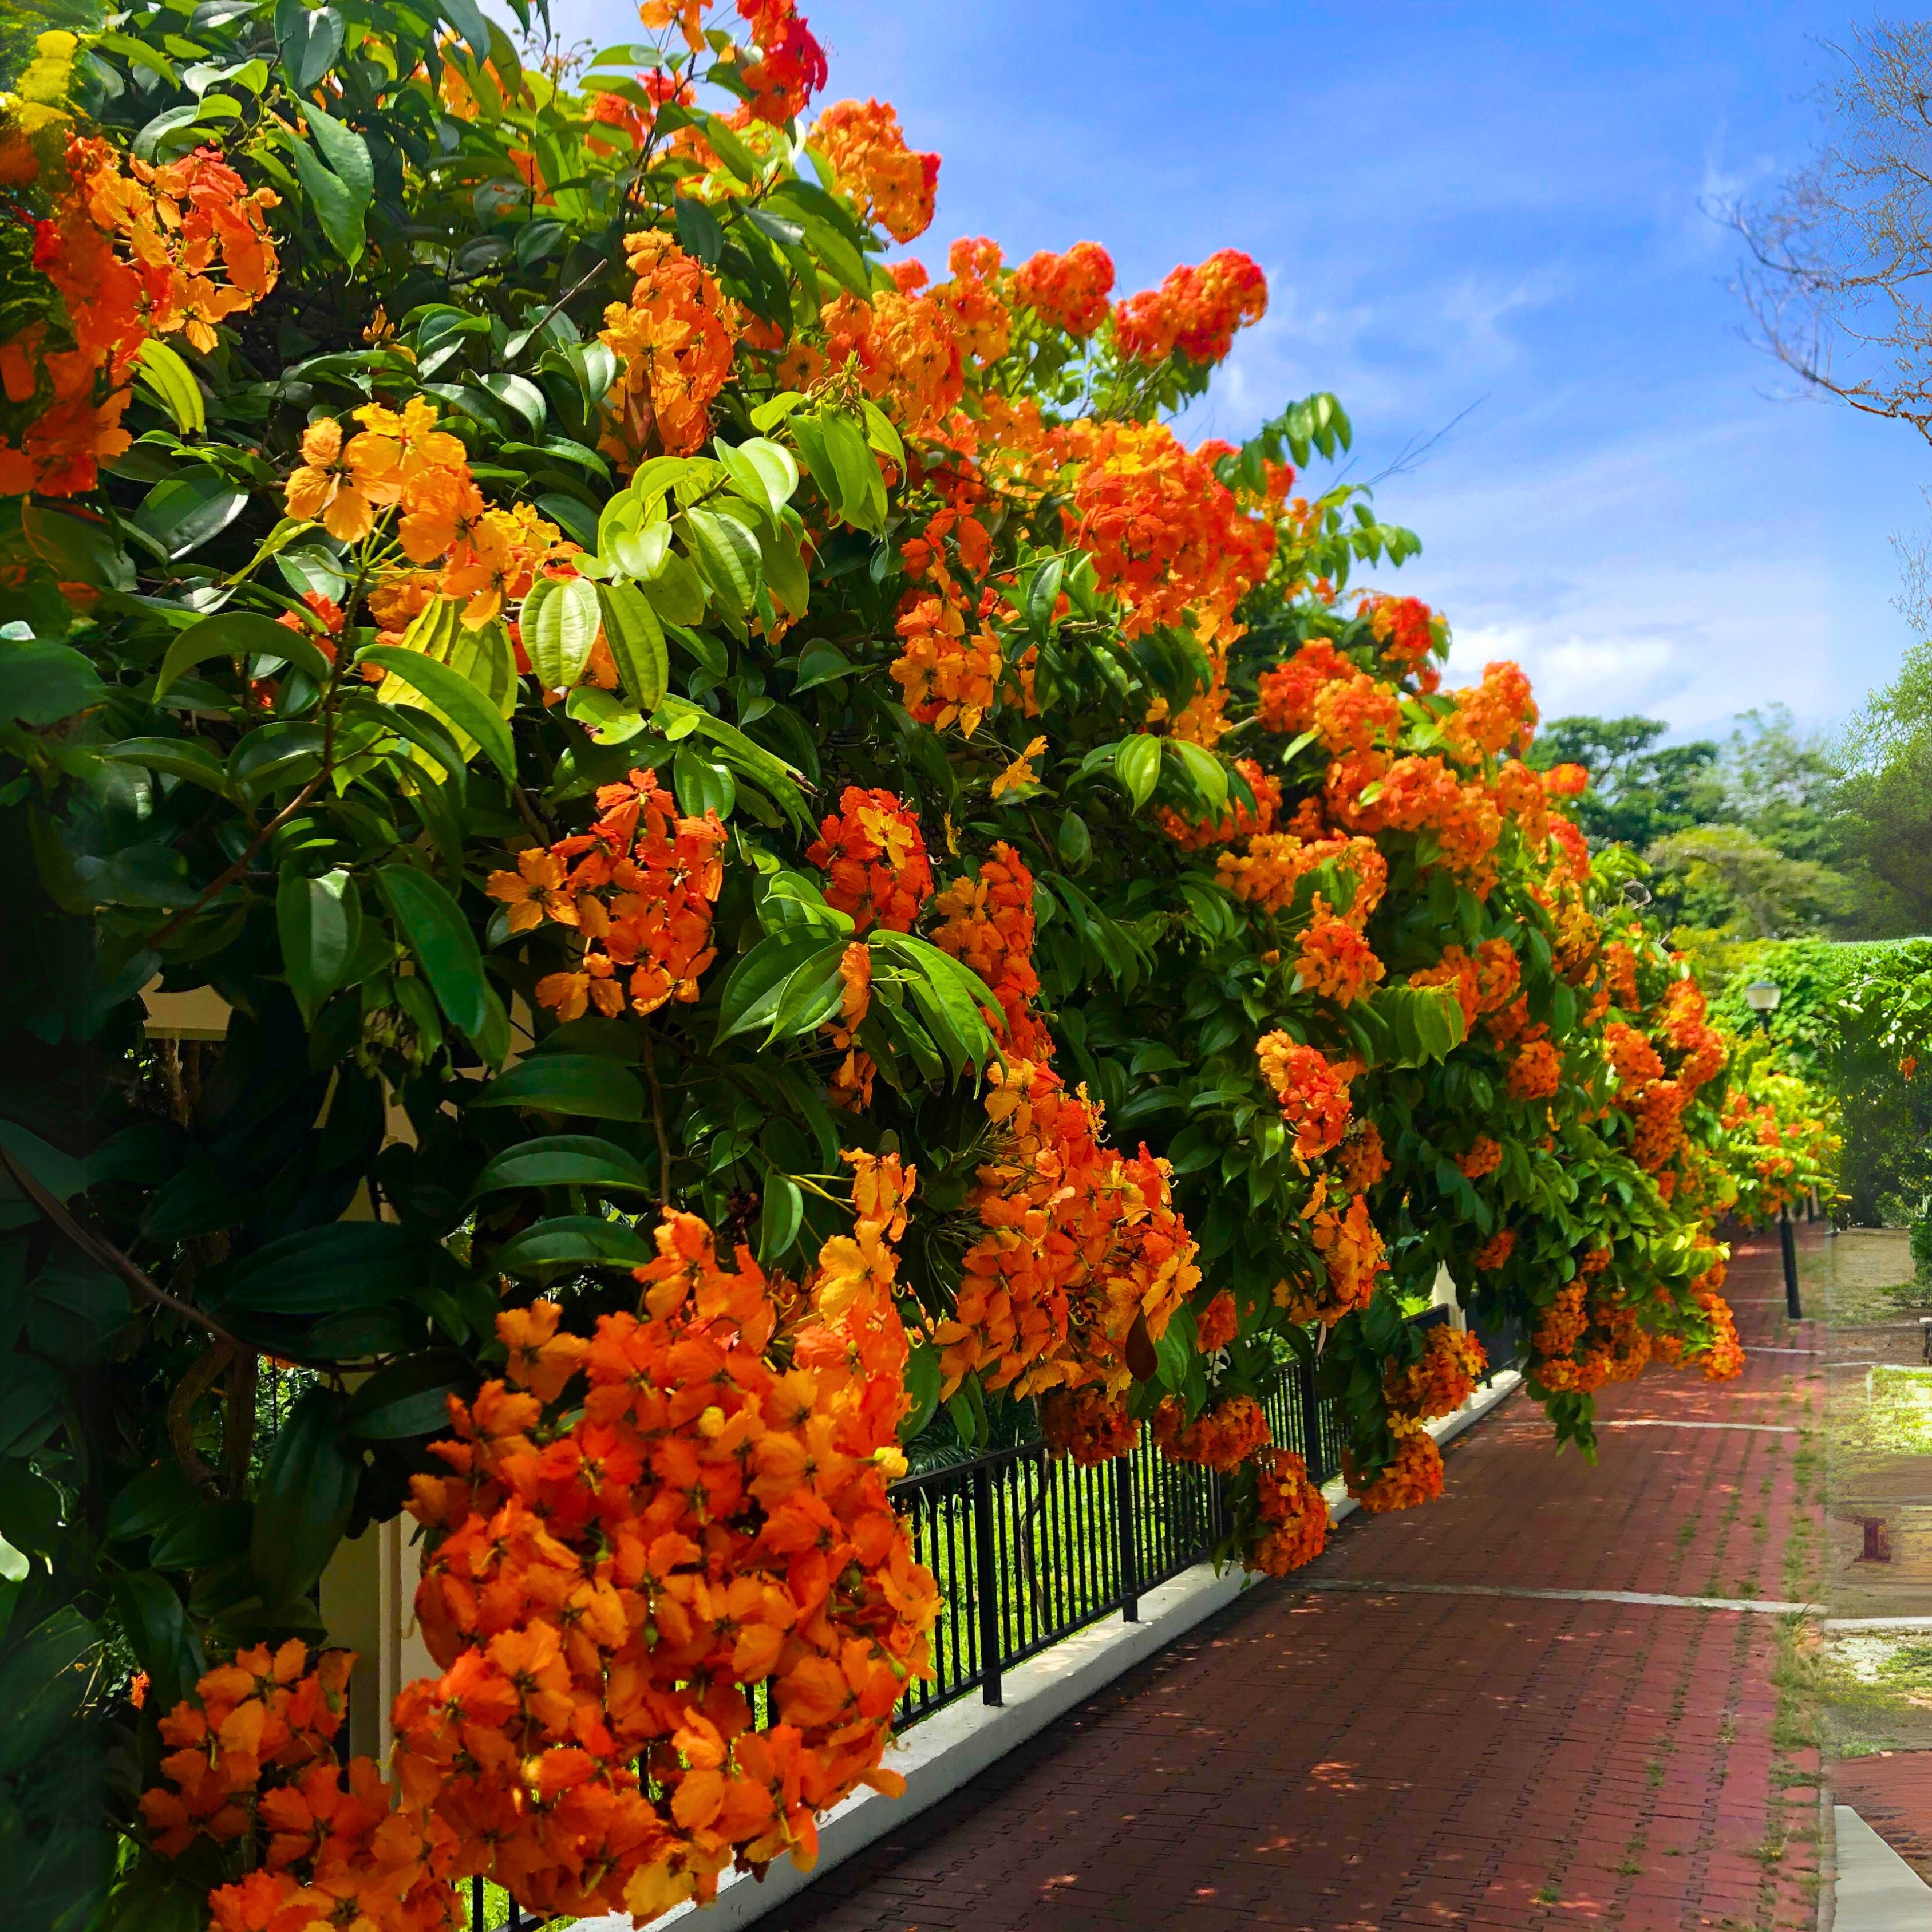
{"x":657,"y":1120}
{"x":109,"y":1257}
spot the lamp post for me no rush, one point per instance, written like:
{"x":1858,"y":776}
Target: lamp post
{"x":1762,"y":996}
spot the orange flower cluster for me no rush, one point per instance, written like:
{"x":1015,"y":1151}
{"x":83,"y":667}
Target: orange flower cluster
{"x":1285,"y":695}
{"x":1350,"y":1249}
{"x":1495,"y":1252}
{"x":906,"y":353}
{"x":1294,"y":1510}
{"x":1722,"y":1357}
{"x":948,"y":675}
{"x":1453,"y":1362}
{"x":1222,"y":1437}
{"x":1699,"y":1045}
{"x":1361,"y":1159}
{"x":1405,"y":627}
{"x":1166,"y":536}
{"x":1237,"y":822}
{"x":1498,"y":715}
{"x":791,"y":67}
{"x":1484,"y":1157}
{"x":1535,"y":1070}
{"x":1069,"y":291}
{"x":252,"y":1762}
{"x":1423,"y":795}
{"x":893,"y":183}
{"x":1088,"y":1423}
{"x":1275,"y":862}
{"x":1217,"y":1324}
{"x":607,"y":1579}
{"x":394,"y":460}
{"x":673,"y":341}
{"x":1195,"y":310}
{"x":981,"y":324}
{"x":988,"y":922}
{"x":1313,"y":1090}
{"x":638,"y":888}
{"x":1485,"y":982}
{"x":851,"y":1082}
{"x":1335,"y":962}
{"x":129,"y":255}
{"x":1081,"y":1243}
{"x":1414,"y":1476}
{"x":873,"y":857}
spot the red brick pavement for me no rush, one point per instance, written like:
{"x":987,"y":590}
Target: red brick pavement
{"x":1350,"y":1763}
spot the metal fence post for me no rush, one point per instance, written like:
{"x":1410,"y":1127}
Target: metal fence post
{"x":1311,"y":1421}
{"x":986,"y":1574}
{"x":1124,"y":1524}
{"x":1788,"y":1241}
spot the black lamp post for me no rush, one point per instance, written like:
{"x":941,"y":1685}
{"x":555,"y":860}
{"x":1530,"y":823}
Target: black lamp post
{"x":1762,"y":996}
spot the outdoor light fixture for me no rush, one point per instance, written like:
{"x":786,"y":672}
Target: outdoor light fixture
{"x":1762,"y":996}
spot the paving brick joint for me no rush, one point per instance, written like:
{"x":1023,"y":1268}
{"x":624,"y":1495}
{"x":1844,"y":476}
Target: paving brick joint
{"x":1343,"y":1760}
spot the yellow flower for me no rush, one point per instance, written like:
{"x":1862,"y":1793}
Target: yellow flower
{"x":1021,"y":771}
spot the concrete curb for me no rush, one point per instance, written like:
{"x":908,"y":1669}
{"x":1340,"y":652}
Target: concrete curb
{"x":1874,"y":1890}
{"x":951,"y":1747}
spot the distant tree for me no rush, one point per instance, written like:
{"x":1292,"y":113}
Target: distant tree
{"x":1745,"y":835}
{"x":1886,"y":798}
{"x":1640,"y":790}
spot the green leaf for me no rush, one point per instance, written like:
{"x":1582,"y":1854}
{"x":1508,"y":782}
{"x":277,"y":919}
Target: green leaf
{"x":779,"y":1218}
{"x":701,"y":785}
{"x":174,"y":383}
{"x":572,"y":1241}
{"x":239,"y":634}
{"x":925,"y":1377}
{"x":325,"y":1270}
{"x":697,"y":229}
{"x":433,"y":925}
{"x":40,"y":684}
{"x":559,"y":620}
{"x":187,"y":758}
{"x":677,"y":592}
{"x":727,"y":557}
{"x":861,"y":491}
{"x":1206,"y":771}
{"x":309,"y":39}
{"x":187,"y":511}
{"x":1137,"y":766}
{"x":345,"y":150}
{"x":337,"y":212}
{"x":450,"y":693}
{"x":407,"y":1398}
{"x":752,"y":992}
{"x":809,"y":997}
{"x":637,"y":641}
{"x":564,"y":1160}
{"x":152,"y":1613}
{"x":585,"y":1084}
{"x":208,"y":1534}
{"x":320,"y":923}
{"x":765,"y":472}
{"x":1042,"y":594}
{"x":43,"y":1680}
{"x":307,"y":1496}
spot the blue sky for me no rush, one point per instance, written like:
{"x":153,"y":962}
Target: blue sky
{"x":1497,"y":209}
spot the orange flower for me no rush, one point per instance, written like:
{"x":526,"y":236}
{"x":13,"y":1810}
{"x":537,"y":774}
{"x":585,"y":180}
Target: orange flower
{"x":343,"y":486}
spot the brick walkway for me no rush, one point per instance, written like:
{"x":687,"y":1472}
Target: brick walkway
{"x":1354,"y":1761}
